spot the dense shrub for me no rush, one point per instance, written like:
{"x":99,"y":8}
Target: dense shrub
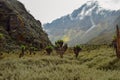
{"x":22,"y":51}
{"x":59,"y":43}
{"x":77,"y":49}
{"x":60,"y":47}
{"x":49,"y":49}
{"x":1,"y":36}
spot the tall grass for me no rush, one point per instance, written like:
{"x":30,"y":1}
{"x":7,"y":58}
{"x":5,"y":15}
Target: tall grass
{"x":98,"y":64}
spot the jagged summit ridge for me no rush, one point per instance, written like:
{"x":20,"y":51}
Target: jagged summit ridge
{"x":83,"y":24}
{"x":87,"y":10}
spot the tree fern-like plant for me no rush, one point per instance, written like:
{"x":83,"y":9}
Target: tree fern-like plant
{"x":59,"y":43}
{"x":60,"y":47}
{"x":49,"y":49}
{"x":1,"y":42}
{"x":22,"y":51}
{"x":77,"y":49}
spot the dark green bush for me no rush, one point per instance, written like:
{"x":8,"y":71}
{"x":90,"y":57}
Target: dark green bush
{"x":22,"y":51}
{"x":77,"y":49}
{"x":60,"y":47}
{"x":49,"y":49}
{"x":59,"y":43}
{"x":1,"y":36}
{"x":32,"y":50}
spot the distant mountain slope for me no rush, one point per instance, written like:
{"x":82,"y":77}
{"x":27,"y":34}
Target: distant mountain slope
{"x":107,"y":35}
{"x":18,"y":27}
{"x":84,"y":24}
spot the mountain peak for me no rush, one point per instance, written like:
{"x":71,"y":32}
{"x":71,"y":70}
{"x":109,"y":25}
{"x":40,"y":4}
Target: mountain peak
{"x":86,"y":23}
{"x":86,"y":10}
{"x":92,"y":3}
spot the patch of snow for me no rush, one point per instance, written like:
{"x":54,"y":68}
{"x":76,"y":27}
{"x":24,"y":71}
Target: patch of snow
{"x":82,"y":13}
{"x":71,"y":18}
{"x":100,"y":9}
{"x":81,"y":17}
{"x":92,"y":2}
{"x":92,"y":21}
{"x":88,"y":12}
{"x":93,"y":25}
{"x":90,"y":29}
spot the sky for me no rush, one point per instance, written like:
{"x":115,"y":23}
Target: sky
{"x":49,"y":10}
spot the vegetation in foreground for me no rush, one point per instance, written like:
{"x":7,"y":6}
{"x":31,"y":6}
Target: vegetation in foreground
{"x":98,"y":64}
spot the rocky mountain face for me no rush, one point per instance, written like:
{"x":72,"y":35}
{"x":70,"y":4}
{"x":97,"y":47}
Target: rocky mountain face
{"x":18,"y":27}
{"x":84,"y":25}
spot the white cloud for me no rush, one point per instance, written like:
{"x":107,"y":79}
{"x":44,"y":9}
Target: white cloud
{"x":110,"y":4}
{"x":48,"y":10}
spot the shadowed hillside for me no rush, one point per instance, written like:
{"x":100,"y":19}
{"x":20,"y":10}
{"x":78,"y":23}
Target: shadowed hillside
{"x":18,"y":27}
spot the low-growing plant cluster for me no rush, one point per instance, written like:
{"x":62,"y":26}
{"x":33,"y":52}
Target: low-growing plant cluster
{"x":60,"y":47}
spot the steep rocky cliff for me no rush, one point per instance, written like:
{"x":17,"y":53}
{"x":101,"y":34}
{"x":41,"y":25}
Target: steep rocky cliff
{"x":18,"y":27}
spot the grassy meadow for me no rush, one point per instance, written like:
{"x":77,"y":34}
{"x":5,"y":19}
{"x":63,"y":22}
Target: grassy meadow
{"x":98,"y":64}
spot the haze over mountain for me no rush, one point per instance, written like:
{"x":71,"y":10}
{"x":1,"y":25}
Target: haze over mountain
{"x":84,"y":25}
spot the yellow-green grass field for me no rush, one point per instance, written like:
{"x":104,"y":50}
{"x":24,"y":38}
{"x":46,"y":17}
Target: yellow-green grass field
{"x":98,"y":64}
